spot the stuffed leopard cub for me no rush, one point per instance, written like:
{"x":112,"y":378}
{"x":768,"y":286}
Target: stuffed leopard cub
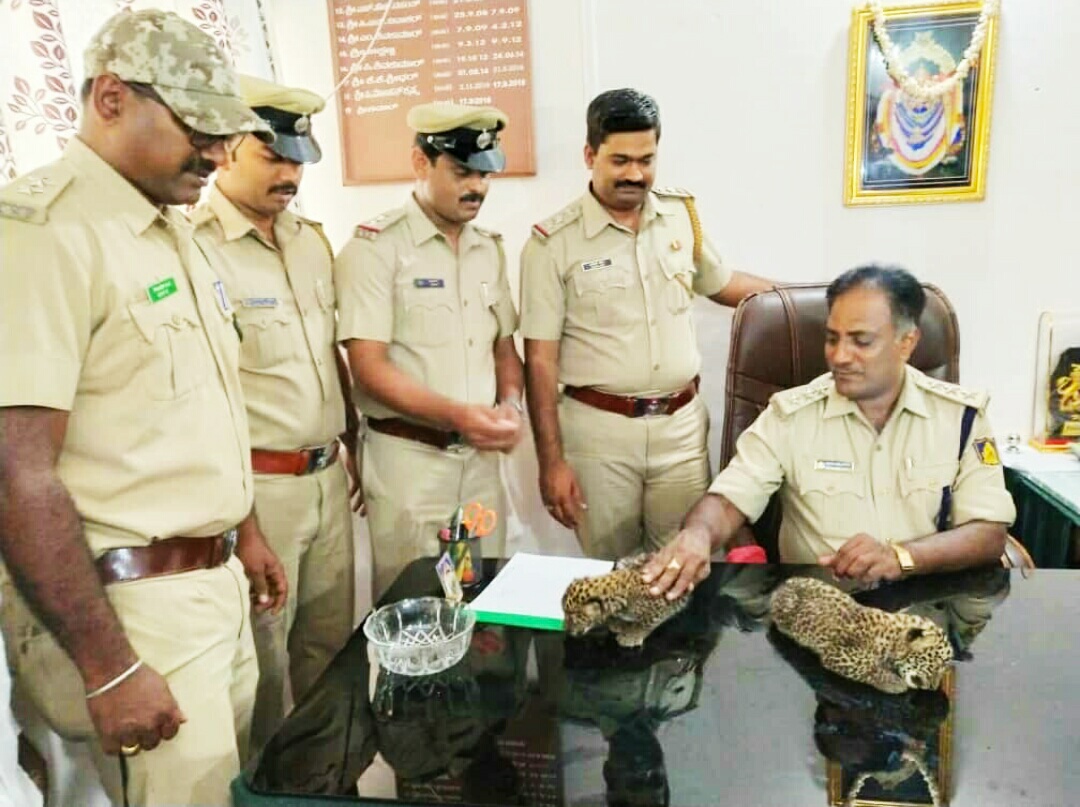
{"x":891,"y":652}
{"x":620,"y":601}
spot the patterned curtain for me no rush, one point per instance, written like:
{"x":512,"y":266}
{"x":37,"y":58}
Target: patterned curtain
{"x":41,"y":45}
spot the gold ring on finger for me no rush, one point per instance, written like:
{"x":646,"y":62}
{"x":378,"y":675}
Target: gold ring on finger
{"x":674,"y":564}
{"x":130,"y":750}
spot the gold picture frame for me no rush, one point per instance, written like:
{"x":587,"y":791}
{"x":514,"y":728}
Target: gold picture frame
{"x":841,"y":782}
{"x":901,"y":153}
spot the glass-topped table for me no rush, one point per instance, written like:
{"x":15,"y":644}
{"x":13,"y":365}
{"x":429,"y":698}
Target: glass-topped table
{"x":717,"y":708}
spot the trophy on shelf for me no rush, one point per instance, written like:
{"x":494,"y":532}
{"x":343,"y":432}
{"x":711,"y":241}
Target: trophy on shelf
{"x":1056,"y":423}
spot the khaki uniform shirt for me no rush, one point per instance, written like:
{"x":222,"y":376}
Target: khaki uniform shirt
{"x":619,"y":301}
{"x":109,"y":311}
{"x":838,"y":476}
{"x":399,"y":282}
{"x":284,"y":301}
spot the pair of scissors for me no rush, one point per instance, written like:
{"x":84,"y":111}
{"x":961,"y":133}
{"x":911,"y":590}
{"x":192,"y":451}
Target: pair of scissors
{"x":479,"y":520}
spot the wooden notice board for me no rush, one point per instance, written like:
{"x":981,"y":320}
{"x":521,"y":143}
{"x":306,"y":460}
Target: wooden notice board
{"x":465,"y":51}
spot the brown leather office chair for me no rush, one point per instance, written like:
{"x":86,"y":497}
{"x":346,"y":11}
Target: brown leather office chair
{"x":778,"y":342}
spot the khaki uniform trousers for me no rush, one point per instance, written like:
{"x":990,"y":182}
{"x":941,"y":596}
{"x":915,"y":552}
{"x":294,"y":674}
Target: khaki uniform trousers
{"x":639,"y":476}
{"x":16,"y":789}
{"x":192,"y":628}
{"x":411,"y":490}
{"x":308,"y":524}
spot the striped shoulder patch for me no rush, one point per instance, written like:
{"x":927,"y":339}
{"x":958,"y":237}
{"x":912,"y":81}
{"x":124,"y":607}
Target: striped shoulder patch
{"x":552,"y":224}
{"x":372,"y":227}
{"x":680,"y":193}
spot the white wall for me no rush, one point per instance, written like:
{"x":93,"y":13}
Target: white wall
{"x":752,"y":95}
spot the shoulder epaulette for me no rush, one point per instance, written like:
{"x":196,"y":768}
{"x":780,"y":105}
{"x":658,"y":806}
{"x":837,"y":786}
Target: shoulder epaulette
{"x":792,"y":400}
{"x":681,"y":193}
{"x":372,"y":227}
{"x":953,"y":392}
{"x":28,"y":198}
{"x":318,"y":228}
{"x":487,"y":232}
{"x":552,"y":224}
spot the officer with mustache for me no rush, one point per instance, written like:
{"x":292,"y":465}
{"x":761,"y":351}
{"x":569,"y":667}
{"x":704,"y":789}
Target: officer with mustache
{"x":277,"y":268}
{"x":606,"y":291}
{"x":426,"y":315}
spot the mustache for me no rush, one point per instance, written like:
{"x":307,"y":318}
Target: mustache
{"x":285,"y":187}
{"x":197,"y":165}
{"x":626,"y":183}
{"x":472,"y":197}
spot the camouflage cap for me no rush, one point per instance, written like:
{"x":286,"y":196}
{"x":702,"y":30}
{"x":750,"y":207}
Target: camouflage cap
{"x":185,"y":66}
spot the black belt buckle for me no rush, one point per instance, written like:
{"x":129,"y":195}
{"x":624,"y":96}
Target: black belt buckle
{"x":228,"y":544}
{"x":647,"y":407}
{"x":320,"y":458}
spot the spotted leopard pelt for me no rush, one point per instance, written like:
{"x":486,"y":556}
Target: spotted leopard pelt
{"x":619,"y":601}
{"x":893,"y":652}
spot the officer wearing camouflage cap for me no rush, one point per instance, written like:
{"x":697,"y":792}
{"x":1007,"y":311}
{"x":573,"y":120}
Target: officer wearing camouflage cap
{"x":278,"y":274}
{"x":124,"y":453}
{"x":425,"y":311}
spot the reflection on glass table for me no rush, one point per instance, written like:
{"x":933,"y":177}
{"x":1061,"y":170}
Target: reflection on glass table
{"x":714,"y":709}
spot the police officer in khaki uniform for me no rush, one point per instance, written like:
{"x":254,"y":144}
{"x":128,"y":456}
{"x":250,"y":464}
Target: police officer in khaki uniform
{"x":877,"y":477}
{"x":426,"y":314}
{"x":124,"y":454}
{"x":278,"y":272}
{"x":606,"y":292}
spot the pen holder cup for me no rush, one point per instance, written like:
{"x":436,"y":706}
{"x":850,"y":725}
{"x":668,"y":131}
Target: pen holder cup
{"x":467,"y":557}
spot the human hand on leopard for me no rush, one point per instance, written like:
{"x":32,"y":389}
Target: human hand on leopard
{"x":679,"y":566}
{"x":865,"y":559}
{"x":619,"y":601}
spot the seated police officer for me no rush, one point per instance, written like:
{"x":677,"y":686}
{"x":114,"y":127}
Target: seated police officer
{"x":865,"y":458}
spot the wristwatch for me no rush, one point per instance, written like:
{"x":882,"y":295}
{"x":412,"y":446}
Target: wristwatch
{"x":907,"y":563}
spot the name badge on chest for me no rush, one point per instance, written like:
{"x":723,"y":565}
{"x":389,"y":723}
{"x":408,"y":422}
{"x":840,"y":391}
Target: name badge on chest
{"x":599,"y":263}
{"x":260,"y":302}
{"x":160,"y":290}
{"x":840,"y":466}
{"x":429,"y":282}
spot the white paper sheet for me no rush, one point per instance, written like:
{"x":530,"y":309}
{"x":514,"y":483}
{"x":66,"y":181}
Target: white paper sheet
{"x":528,"y":591}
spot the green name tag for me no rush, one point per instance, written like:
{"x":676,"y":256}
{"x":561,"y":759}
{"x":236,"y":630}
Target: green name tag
{"x":160,"y":290}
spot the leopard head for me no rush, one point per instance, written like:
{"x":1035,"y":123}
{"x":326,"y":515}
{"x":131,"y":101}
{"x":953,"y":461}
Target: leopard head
{"x":587,"y":604}
{"x":923,"y":654}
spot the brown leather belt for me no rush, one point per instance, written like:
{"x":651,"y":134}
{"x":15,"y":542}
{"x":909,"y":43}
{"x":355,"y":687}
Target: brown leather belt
{"x":297,"y":463}
{"x":635,"y":407}
{"x":397,"y":427}
{"x":170,"y":556}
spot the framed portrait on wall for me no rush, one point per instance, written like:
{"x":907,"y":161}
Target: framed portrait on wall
{"x":901,"y":149}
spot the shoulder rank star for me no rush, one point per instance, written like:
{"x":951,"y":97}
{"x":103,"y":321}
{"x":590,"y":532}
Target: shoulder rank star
{"x":33,"y":186}
{"x":986,"y":448}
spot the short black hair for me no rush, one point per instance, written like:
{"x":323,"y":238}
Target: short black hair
{"x":625,"y":110}
{"x":904,"y":292}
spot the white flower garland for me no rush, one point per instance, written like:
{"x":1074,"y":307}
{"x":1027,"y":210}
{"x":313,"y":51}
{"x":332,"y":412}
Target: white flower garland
{"x":928,"y":90}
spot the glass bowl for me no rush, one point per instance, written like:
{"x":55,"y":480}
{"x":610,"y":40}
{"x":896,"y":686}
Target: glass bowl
{"x":420,"y":636}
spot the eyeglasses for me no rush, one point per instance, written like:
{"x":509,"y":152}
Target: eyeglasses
{"x":200,"y":141}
